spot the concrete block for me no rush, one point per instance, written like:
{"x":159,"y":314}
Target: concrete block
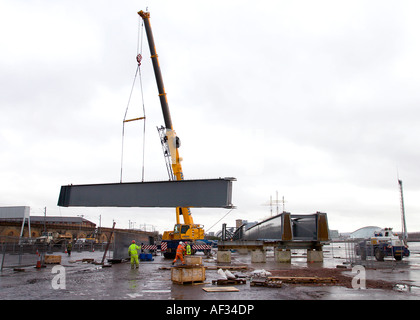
{"x":314,"y":256}
{"x":283,"y":256}
{"x":224,"y":256}
{"x":258,"y":256}
{"x":242,"y":251}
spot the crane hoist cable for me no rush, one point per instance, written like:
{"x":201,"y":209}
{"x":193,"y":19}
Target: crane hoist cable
{"x":125,"y":120}
{"x":219,"y":220}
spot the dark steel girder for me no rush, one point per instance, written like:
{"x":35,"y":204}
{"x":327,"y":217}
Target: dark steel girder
{"x":209,"y":193}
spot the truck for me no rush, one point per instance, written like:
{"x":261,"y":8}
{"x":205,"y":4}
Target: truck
{"x":46,"y":238}
{"x":53,"y":238}
{"x":384,"y":243}
{"x":188,"y":230}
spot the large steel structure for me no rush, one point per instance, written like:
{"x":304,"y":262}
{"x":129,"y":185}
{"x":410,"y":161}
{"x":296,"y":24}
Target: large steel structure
{"x":190,"y":193}
{"x":288,"y":227}
{"x":283,"y":231}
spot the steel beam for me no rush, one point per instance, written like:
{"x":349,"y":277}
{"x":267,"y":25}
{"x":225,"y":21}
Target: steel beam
{"x":290,"y":227}
{"x":209,"y":193}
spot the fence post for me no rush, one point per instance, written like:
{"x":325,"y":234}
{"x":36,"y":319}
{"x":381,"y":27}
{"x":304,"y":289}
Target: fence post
{"x":2,"y":260}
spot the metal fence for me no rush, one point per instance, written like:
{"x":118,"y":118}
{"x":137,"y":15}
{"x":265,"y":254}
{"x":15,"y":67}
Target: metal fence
{"x":360,"y":255}
{"x":18,"y":252}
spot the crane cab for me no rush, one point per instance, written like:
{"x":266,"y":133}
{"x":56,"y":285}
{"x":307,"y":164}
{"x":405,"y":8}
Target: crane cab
{"x":185,"y":232}
{"x":181,"y":232}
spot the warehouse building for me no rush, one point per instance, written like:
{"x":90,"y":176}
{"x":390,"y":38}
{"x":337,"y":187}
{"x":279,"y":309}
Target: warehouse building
{"x":17,"y":222}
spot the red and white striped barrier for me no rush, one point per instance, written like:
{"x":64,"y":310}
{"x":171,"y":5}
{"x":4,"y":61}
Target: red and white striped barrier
{"x":201,"y":246}
{"x":164,"y":246}
{"x":149,"y":247}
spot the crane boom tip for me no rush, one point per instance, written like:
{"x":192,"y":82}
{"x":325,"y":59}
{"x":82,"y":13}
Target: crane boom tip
{"x":144,"y":15}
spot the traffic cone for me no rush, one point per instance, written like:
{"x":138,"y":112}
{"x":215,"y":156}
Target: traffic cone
{"x":38,"y":263}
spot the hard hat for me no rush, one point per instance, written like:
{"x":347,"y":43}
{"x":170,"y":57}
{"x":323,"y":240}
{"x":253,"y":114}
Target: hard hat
{"x":134,"y":241}
{"x":181,"y":242}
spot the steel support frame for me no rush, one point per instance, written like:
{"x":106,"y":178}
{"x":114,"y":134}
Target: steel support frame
{"x":261,"y":244}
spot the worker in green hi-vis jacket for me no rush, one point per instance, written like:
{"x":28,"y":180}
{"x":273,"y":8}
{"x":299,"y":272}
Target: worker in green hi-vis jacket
{"x":188,"y":248}
{"x":133,"y":253}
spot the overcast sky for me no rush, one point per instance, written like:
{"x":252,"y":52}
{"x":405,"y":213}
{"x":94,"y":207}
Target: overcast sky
{"x":317,"y":100}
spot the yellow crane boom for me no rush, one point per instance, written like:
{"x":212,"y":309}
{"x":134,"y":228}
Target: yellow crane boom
{"x":188,"y":230}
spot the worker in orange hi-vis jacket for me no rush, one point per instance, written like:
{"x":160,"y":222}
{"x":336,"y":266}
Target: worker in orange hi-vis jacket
{"x":180,"y":250}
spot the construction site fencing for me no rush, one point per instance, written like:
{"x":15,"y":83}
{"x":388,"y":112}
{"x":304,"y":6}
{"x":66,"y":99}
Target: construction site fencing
{"x":18,"y":252}
{"x":358,"y":255}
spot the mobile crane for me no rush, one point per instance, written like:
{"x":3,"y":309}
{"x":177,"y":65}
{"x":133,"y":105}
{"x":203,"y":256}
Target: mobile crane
{"x":187,"y":231}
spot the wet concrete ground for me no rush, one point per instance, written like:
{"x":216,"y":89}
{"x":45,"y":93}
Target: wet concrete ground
{"x":85,"y":281}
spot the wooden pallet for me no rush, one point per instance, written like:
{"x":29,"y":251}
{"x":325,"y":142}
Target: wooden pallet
{"x":220,"y":289}
{"x":226,"y":267}
{"x":228,"y":281}
{"x":165,"y":268}
{"x":266,"y":283}
{"x":304,"y":280}
{"x":195,"y":282}
{"x":52,"y":259}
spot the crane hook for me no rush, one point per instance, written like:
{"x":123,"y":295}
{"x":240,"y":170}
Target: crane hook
{"x":138,"y":58}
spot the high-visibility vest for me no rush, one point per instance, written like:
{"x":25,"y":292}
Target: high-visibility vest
{"x":132,"y":249}
{"x":188,"y":249}
{"x":180,"y":249}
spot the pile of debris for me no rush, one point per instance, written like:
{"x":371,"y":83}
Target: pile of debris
{"x":227,"y":277}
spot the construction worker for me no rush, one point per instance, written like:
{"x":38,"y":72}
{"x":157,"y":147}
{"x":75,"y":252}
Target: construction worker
{"x":180,"y":250}
{"x":188,"y":248}
{"x":133,"y":253}
{"x":69,"y":248}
